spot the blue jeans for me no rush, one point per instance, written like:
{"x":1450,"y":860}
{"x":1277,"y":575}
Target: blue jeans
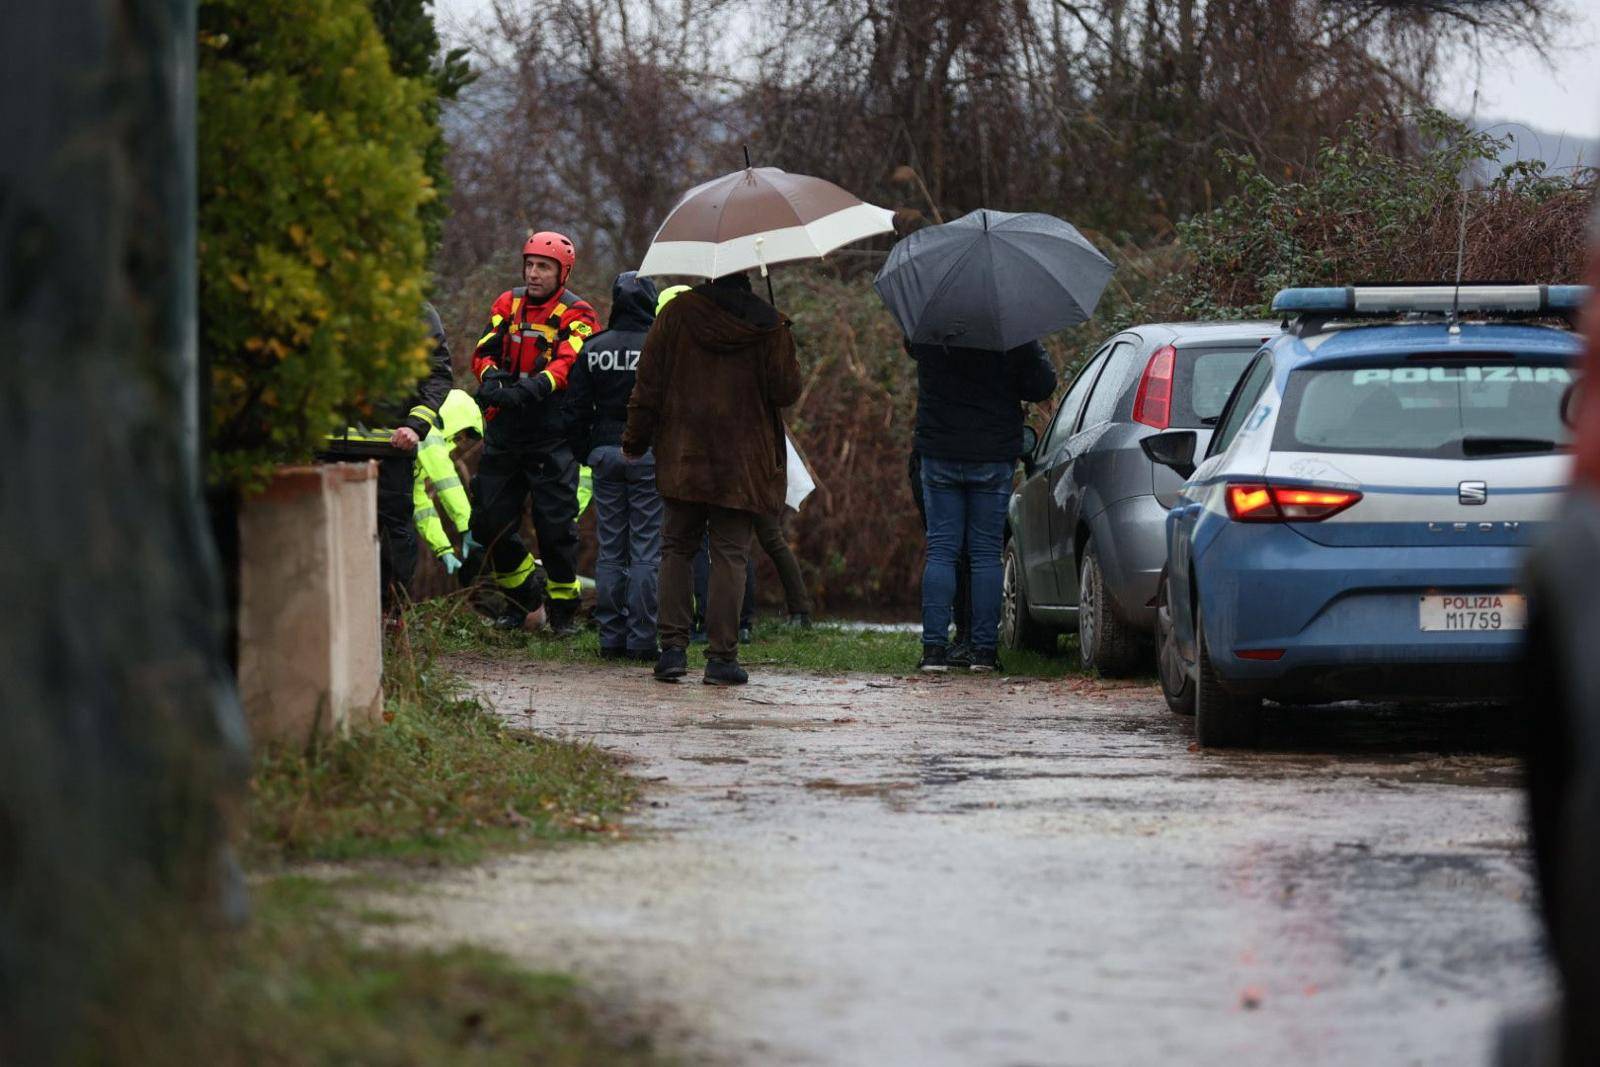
{"x":966,"y":505}
{"x":627,"y":513}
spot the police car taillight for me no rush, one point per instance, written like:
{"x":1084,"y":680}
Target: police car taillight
{"x":1152,"y":404}
{"x":1256,"y":502}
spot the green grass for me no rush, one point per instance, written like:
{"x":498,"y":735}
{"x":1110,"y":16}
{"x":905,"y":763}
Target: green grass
{"x":442,"y":779}
{"x":307,"y":983}
{"x":318,"y":975}
{"x":825,"y":648}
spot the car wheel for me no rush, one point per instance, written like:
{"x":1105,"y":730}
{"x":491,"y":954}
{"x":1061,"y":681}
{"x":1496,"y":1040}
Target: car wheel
{"x":1176,"y":685}
{"x":1018,"y":630}
{"x":1105,"y":643}
{"x":1221,"y":719}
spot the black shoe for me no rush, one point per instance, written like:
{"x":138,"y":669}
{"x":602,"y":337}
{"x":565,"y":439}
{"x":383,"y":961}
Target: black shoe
{"x":673,"y":664}
{"x":563,"y":616}
{"x":724,"y":672}
{"x":984,"y":660}
{"x":613,"y":653}
{"x":800,"y":620}
{"x":960,"y":654}
{"x":744,"y":635}
{"x":933,"y":660}
{"x":511,"y":620}
{"x":643,"y":655}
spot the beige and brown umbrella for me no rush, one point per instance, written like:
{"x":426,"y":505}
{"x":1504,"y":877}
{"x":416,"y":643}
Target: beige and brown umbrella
{"x":757,"y":217}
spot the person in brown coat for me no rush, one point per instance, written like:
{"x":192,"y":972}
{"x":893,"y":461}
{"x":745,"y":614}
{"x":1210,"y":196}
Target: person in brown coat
{"x":716,"y":368}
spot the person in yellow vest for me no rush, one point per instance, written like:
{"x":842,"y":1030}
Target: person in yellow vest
{"x":437,"y":470}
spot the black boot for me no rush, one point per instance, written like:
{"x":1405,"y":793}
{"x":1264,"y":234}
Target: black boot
{"x":563,"y":616}
{"x":724,"y":672}
{"x":673,"y":664}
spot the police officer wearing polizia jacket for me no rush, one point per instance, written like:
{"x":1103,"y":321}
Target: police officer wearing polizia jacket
{"x":627,"y":507}
{"x":522,"y":363}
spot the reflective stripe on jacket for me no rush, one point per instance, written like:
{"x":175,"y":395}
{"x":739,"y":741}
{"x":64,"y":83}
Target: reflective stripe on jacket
{"x":526,"y":340}
{"x":436,"y":470}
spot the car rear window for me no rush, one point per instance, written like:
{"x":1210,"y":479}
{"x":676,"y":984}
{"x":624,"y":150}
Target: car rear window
{"x":1205,"y":378}
{"x":1443,"y":410}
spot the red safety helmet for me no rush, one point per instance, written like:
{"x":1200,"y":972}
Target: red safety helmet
{"x":552,"y":245}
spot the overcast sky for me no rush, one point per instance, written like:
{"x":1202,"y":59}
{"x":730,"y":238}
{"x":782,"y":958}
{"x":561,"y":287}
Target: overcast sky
{"x":1562,"y":96}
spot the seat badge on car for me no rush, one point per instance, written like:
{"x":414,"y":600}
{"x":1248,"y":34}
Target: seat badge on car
{"x":1473,"y":492}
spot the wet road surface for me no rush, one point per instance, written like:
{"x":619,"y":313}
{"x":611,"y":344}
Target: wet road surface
{"x":881,"y":870}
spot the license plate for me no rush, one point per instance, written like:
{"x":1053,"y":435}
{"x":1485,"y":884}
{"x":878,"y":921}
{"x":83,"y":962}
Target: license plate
{"x":1473,"y":612}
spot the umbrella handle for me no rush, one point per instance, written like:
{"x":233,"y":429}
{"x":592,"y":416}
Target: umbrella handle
{"x":761,"y":260}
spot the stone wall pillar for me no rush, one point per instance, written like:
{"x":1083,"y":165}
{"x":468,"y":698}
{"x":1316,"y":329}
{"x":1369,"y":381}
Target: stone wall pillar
{"x":310,"y":621}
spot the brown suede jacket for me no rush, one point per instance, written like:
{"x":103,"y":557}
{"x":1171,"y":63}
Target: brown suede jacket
{"x":707,"y":399}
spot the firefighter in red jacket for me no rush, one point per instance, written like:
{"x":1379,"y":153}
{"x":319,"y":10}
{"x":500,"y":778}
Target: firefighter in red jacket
{"x":521,"y":363}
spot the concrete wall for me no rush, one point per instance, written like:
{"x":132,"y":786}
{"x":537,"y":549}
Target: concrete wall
{"x":310,"y":621}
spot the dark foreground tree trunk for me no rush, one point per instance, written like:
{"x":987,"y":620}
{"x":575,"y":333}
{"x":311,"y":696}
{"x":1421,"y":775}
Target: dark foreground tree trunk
{"x":120,"y":738}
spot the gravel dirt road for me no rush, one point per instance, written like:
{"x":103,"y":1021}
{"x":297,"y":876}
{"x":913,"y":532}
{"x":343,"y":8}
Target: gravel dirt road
{"x":875,"y":870}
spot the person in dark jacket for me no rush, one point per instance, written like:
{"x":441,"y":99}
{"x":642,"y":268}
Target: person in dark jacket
{"x":969,"y":435}
{"x":716,"y":368}
{"x":411,"y":418}
{"x":627,"y":506}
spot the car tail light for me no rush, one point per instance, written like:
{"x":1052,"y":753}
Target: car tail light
{"x":1152,"y":404}
{"x":1267,"y":654}
{"x":1256,"y":502}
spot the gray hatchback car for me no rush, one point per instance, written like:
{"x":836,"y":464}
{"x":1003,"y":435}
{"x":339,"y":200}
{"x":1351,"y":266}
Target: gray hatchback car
{"x":1085,"y":533}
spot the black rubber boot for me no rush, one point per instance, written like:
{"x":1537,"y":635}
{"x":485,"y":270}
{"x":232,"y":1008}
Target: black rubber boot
{"x":563,"y":616}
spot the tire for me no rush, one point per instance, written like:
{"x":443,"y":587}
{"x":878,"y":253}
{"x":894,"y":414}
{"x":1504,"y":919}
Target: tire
{"x":1176,"y":685}
{"x":1105,"y":643}
{"x":1221,"y":719}
{"x":1018,"y":630}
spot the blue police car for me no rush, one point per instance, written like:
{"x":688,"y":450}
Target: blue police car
{"x":1357,"y":524}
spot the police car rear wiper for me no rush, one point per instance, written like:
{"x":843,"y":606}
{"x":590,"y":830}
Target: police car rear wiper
{"x":1491,"y":446}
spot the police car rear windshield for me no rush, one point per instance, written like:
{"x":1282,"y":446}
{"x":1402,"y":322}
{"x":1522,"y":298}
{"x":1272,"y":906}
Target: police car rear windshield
{"x":1438,"y":410}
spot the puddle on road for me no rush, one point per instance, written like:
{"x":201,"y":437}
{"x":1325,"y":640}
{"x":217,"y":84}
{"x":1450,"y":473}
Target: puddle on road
{"x":881,"y":790}
{"x":758,"y":724}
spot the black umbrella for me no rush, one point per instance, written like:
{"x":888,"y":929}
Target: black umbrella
{"x":992,"y":279}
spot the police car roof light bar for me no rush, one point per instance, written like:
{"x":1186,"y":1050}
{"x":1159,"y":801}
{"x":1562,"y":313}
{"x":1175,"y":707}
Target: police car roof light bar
{"x":1389,"y":301}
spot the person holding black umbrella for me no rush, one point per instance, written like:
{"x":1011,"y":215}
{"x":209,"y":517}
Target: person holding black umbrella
{"x":969,"y":435}
{"x":972,"y":297}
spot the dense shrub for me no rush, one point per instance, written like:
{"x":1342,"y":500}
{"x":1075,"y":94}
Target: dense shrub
{"x":312,"y":250}
{"x":1362,"y":213}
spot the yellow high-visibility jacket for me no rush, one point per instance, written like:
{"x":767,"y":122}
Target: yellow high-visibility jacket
{"x":435,"y":469}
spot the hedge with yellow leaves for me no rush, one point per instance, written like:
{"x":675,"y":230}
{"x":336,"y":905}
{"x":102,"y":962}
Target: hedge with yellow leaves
{"x":312,"y":249}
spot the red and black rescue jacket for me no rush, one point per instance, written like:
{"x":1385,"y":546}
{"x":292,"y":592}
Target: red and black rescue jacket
{"x":527,"y":339}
